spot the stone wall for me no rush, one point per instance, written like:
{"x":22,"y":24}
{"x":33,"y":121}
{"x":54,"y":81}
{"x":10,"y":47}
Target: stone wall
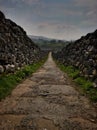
{"x":16,"y":48}
{"x":82,"y":54}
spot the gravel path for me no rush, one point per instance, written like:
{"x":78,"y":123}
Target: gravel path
{"x":47,"y":101}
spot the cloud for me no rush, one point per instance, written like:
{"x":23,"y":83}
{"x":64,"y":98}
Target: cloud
{"x":66,"y":19}
{"x":89,"y":9}
{"x":58,"y":30}
{"x":86,"y":3}
{"x":30,"y":2}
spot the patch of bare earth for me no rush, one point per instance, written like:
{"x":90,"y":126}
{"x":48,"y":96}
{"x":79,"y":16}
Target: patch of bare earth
{"x":47,"y":101}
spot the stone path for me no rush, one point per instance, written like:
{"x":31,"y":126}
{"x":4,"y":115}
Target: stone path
{"x":47,"y":101}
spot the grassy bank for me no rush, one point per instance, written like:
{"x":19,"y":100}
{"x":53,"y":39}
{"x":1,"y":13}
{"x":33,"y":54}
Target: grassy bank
{"x":85,"y":85}
{"x":9,"y":82}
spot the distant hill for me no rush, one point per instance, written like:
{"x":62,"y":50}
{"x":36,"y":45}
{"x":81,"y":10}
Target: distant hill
{"x":39,"y":38}
{"x":48,"y":43}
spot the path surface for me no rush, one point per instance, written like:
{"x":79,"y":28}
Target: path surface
{"x":47,"y":101}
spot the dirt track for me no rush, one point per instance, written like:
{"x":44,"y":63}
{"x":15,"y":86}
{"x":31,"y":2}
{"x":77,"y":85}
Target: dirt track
{"x":47,"y":101}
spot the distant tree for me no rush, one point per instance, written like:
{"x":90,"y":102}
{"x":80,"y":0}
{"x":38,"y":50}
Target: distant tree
{"x":53,"y":41}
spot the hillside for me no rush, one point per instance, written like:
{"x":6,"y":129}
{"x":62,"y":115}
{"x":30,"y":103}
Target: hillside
{"x":16,"y":48}
{"x":48,"y":43}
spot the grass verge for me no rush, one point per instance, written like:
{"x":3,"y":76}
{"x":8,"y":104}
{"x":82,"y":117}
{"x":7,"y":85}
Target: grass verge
{"x":9,"y":82}
{"x":85,"y":85}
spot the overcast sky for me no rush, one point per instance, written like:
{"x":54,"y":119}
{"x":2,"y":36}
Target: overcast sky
{"x":61,"y":19}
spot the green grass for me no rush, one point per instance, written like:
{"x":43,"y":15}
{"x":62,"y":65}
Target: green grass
{"x":72,"y":72}
{"x":9,"y":82}
{"x":85,"y":85}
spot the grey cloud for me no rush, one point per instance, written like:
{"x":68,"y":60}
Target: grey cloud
{"x":53,"y":19}
{"x":86,"y":3}
{"x":63,"y":31}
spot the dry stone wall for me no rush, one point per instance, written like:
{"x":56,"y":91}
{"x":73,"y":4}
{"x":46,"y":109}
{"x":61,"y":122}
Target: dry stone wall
{"x":16,"y":48}
{"x":82,"y":54}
